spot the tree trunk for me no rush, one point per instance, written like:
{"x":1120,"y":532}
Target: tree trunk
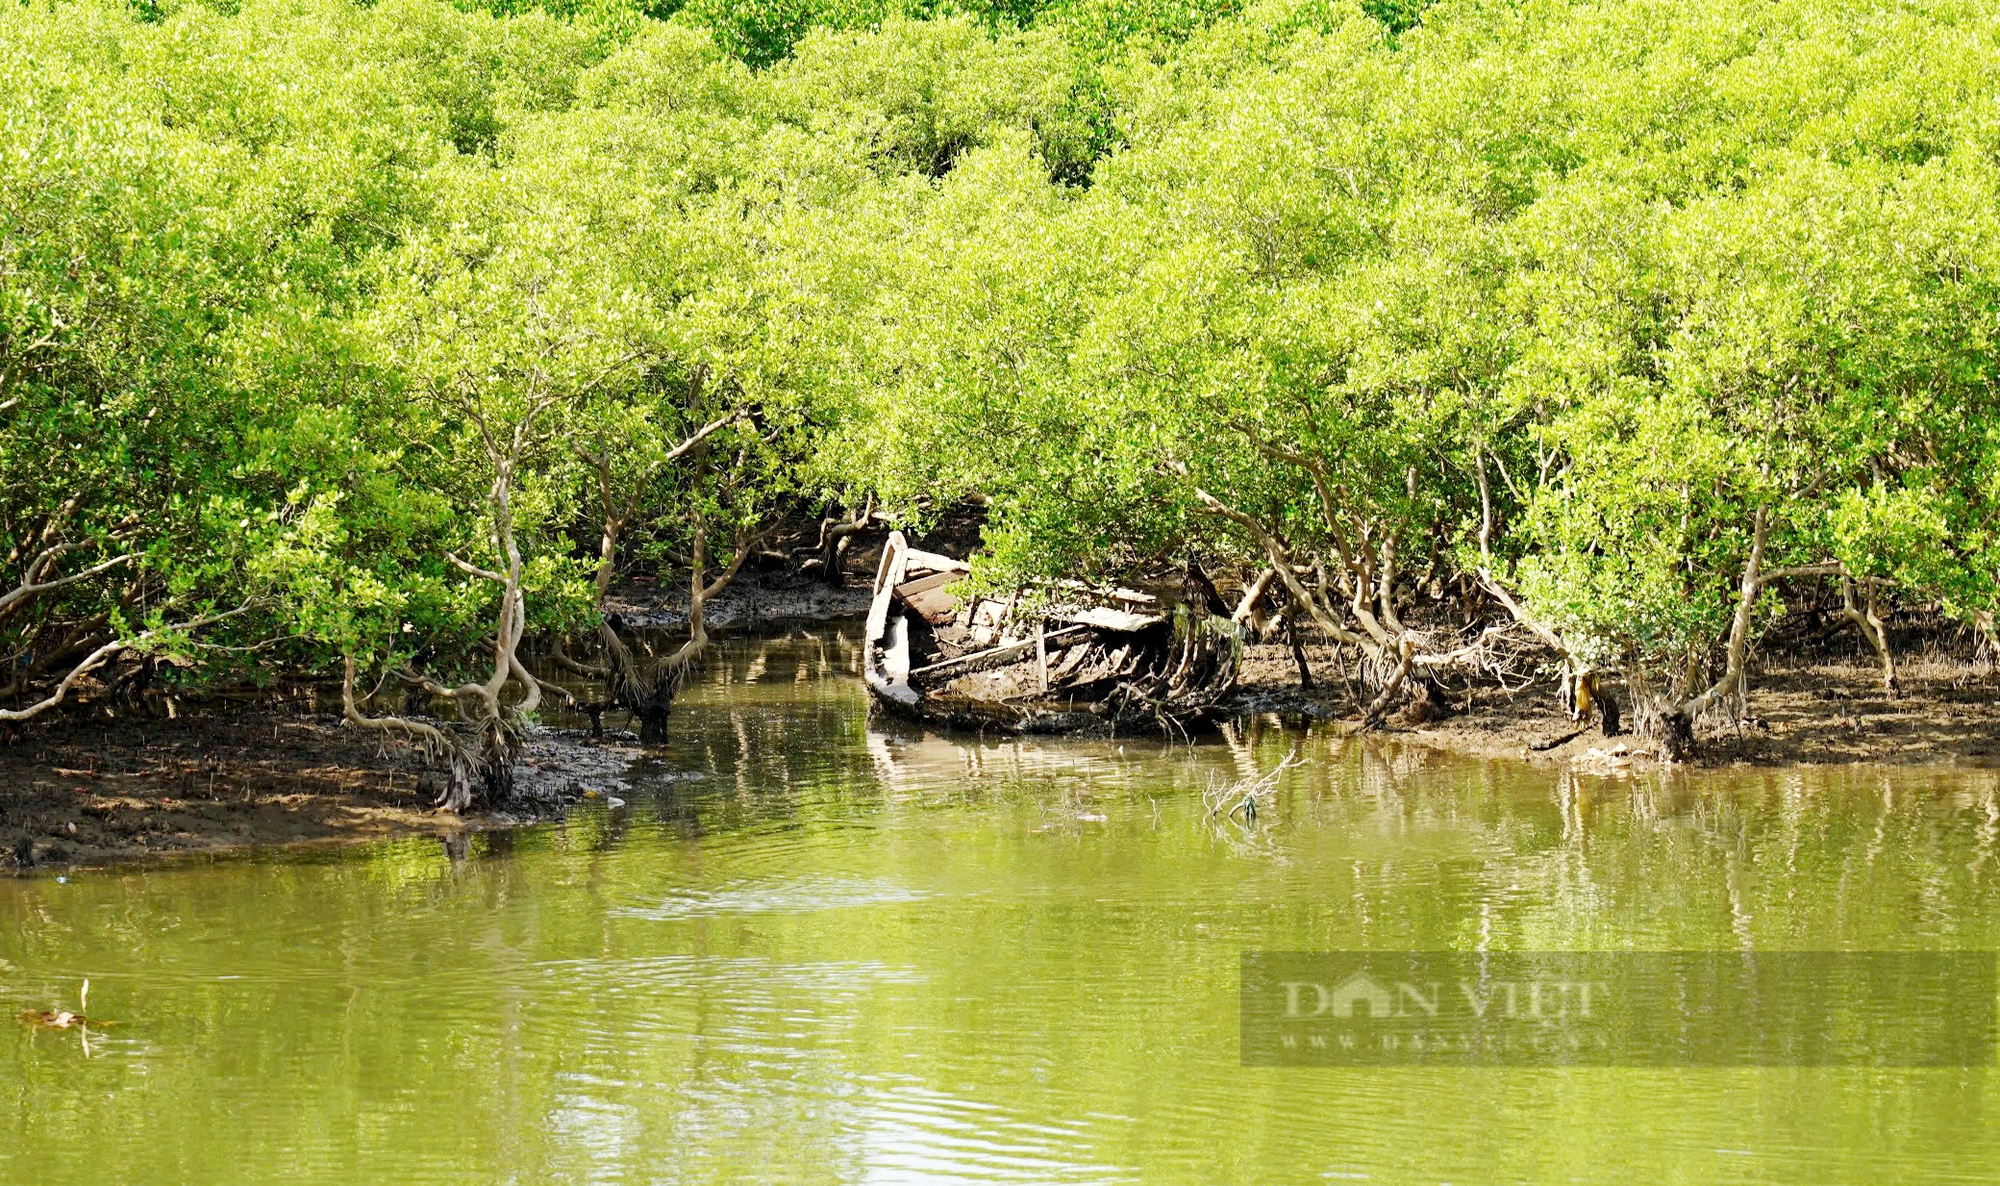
{"x":485,"y":769}
{"x":1372,"y":716}
{"x":1731,"y":684}
{"x":1607,"y":709}
{"x":836,"y":538}
{"x":1251,"y":612}
{"x":1299,"y":656}
{"x":1675,"y":726}
{"x":655,"y":704}
{"x":1869,"y":623}
{"x":462,"y":769}
{"x":1676,"y":736}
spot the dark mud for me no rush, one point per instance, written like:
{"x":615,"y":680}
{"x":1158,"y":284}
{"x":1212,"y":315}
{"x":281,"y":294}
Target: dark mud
{"x":97,"y":792}
{"x":84,"y":789}
{"x":753,"y":599}
{"x":1802,"y":713}
{"x":81,"y":789}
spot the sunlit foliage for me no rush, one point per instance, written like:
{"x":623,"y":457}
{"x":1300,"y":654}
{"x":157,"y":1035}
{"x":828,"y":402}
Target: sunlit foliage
{"x":1615,"y":316}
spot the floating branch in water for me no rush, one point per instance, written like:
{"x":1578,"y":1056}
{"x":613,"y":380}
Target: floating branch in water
{"x":1227,"y":798}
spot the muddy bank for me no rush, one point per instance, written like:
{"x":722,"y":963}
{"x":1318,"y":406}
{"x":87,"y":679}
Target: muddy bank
{"x":1819,"y":708}
{"x":87,"y":790}
{"x":78,"y":789}
{"x":1803,"y":713}
{"x":768,"y":593}
{"x":96,"y":792}
{"x":751,"y":600}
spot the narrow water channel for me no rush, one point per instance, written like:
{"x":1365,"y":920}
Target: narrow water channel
{"x":811,"y":950}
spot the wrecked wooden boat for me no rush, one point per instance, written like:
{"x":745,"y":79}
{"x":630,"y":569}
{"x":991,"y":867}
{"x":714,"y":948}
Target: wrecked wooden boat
{"x":1079,"y":660}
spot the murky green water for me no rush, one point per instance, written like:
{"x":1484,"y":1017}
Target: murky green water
{"x":839,"y":955}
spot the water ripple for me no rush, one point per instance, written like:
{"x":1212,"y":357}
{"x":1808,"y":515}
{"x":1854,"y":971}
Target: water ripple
{"x":794,"y":896}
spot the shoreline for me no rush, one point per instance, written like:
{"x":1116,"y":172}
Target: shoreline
{"x":1803,"y":713}
{"x":90,"y":794}
{"x":86,"y":793}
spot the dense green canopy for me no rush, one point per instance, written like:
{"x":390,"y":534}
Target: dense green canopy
{"x":367,"y":336}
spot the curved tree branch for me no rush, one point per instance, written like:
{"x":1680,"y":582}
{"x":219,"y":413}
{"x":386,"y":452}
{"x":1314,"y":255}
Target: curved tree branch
{"x":32,"y":586}
{"x":104,"y":654}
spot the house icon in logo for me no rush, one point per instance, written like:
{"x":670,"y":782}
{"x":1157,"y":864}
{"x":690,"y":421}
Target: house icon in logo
{"x":1361,"y":989}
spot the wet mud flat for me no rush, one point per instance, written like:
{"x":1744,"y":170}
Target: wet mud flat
{"x":1802,"y":713}
{"x":87,"y":790}
{"x":752,"y":600}
{"x":81,"y":789}
{"x":95,"y":792}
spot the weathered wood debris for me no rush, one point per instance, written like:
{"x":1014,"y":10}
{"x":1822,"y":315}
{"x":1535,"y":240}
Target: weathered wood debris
{"x":1081,"y":659}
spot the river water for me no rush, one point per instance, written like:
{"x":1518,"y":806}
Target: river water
{"x":808,"y":950}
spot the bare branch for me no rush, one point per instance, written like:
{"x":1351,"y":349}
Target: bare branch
{"x":1827,"y":568}
{"x":1281,"y":561}
{"x":31,"y":588}
{"x":105,"y":653}
{"x":704,"y":432}
{"x":475,"y":570}
{"x":436,"y":690}
{"x":430,"y":734}
{"x":1493,"y":586}
{"x":744,"y":544}
{"x":563,"y":659}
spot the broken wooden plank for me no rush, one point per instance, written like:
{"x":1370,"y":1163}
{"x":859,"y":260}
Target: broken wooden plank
{"x":1000,"y":656}
{"x":928,"y":596}
{"x":932,"y":562}
{"x":936,"y":580}
{"x":888,"y":575}
{"x":1110,"y":619}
